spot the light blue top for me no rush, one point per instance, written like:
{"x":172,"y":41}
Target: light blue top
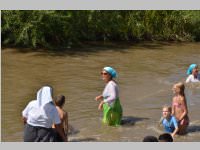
{"x":170,"y":125}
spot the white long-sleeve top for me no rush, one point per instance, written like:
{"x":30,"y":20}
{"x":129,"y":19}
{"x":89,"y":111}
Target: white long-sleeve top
{"x":191,"y":78}
{"x":41,"y":116}
{"x":110,"y":93}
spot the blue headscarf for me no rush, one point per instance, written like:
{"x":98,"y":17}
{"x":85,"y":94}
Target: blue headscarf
{"x":191,"y":67}
{"x":111,"y":71}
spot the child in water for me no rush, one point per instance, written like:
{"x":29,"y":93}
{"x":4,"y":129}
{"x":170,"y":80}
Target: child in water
{"x":193,"y":75}
{"x":59,"y":102}
{"x":168,"y":121}
{"x":179,"y":107}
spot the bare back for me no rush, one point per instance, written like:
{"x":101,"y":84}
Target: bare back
{"x":64,"y":119}
{"x":179,"y":107}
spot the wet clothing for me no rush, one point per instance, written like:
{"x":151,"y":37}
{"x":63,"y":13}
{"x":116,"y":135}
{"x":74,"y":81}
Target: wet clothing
{"x":40,"y":115}
{"x":110,"y":93}
{"x":112,"y":110}
{"x":112,"y":114}
{"x":38,"y":134}
{"x":191,"y":78}
{"x":170,"y":125}
{"x":185,"y":120}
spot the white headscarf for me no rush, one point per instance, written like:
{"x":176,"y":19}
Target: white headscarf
{"x":44,"y":96}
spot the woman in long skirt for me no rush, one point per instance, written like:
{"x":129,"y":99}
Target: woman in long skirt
{"x":110,"y":102}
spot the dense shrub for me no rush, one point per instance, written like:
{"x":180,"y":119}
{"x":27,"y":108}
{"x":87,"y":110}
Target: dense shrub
{"x":63,"y":28}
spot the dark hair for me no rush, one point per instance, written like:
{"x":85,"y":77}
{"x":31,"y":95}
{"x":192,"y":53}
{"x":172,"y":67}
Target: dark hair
{"x":59,"y":100}
{"x":150,"y":138}
{"x":165,"y":137}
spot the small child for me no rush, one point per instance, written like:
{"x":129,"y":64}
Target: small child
{"x":165,"y":137}
{"x":193,"y":75}
{"x":168,"y":121}
{"x":179,"y":107}
{"x":59,"y":102}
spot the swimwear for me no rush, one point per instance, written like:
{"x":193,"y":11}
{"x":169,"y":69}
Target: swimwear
{"x":185,"y":120}
{"x":170,"y":124}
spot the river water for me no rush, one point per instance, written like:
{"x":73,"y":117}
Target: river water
{"x":146,"y":74}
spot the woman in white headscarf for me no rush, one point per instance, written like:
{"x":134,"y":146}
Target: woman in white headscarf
{"x":39,"y":115}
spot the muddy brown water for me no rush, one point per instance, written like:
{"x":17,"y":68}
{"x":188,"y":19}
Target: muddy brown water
{"x":146,"y":73}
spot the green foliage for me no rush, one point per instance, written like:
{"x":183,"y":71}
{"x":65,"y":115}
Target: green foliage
{"x":64,"y":28}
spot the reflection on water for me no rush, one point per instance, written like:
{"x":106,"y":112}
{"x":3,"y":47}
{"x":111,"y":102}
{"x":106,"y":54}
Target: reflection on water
{"x":146,"y":75}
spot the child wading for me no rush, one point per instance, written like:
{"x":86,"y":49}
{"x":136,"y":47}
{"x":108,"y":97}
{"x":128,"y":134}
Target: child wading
{"x":112,"y":110}
{"x":179,"y":107}
{"x":59,"y":102}
{"x":168,"y":121}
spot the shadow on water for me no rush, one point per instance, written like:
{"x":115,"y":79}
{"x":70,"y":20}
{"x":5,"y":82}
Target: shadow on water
{"x":96,"y":47}
{"x":83,"y":140}
{"x":193,"y":128}
{"x":130,"y":121}
{"x":72,"y":130}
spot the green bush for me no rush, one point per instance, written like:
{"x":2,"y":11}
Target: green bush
{"x":64,"y":28}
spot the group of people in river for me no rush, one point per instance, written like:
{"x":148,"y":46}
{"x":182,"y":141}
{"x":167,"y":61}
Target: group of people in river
{"x":44,"y":118}
{"x":46,"y":121}
{"x":175,"y":118}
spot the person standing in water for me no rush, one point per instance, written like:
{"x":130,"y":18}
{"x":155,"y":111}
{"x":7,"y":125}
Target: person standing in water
{"x":38,"y":117}
{"x":110,"y":103}
{"x":193,"y":75}
{"x":179,"y":107}
{"x":59,"y":101}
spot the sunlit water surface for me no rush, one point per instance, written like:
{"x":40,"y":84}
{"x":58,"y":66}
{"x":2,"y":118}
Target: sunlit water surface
{"x":146,"y":73}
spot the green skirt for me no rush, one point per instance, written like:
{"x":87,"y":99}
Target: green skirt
{"x":112,"y":115}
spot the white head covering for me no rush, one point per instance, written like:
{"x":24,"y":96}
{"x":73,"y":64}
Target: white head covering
{"x":44,"y":96}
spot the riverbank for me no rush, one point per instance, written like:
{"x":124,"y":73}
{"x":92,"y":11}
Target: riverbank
{"x":67,"y":28}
